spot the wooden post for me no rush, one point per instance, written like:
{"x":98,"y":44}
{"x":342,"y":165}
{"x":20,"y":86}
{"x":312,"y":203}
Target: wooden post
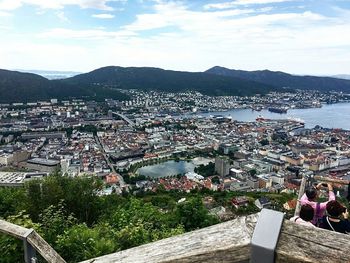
{"x":301,"y":192}
{"x":32,"y":242}
{"x":331,"y":180}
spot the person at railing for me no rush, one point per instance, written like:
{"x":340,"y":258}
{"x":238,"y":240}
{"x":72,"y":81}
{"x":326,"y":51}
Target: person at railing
{"x":305,"y":216}
{"x":336,"y":218}
{"x":310,"y":198}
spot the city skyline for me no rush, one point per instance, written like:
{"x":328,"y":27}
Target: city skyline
{"x":299,"y":37}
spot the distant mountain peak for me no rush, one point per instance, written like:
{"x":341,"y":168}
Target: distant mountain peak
{"x":281,"y":79}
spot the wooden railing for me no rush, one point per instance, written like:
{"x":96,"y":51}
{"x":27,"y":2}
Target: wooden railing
{"x":230,"y":242}
{"x":225,"y":242}
{"x":32,"y":242}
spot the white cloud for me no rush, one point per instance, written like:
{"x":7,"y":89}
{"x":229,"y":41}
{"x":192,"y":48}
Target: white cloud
{"x":246,"y":38}
{"x":61,"y":15}
{"x":10,"y":4}
{"x":93,"y":34}
{"x":175,"y":14}
{"x":231,"y":4}
{"x":3,"y":14}
{"x":56,"y":4}
{"x":103,"y":16}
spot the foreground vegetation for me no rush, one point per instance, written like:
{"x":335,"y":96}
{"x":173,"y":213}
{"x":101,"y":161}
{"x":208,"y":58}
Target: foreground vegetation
{"x":80,"y":224}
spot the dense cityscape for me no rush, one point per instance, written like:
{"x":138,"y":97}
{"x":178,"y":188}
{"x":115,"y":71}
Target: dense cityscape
{"x":112,"y":140}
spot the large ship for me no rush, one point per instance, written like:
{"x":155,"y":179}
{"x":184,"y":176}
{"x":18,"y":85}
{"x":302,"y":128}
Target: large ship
{"x":261,"y":119}
{"x":278,"y":110}
{"x":298,"y":120}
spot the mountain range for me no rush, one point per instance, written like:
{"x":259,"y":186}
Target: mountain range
{"x":281,"y":79}
{"x":341,"y":76}
{"x":107,"y":82}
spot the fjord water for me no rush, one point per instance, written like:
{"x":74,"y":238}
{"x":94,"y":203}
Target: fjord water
{"x":329,"y":116}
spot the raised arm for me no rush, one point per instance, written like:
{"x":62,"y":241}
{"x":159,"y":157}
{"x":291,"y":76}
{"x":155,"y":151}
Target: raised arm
{"x":331,"y":195}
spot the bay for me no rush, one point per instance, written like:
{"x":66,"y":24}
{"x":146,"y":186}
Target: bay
{"x":329,"y":116}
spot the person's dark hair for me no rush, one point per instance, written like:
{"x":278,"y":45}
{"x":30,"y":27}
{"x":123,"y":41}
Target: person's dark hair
{"x":306,"y":212}
{"x":311,"y":193}
{"x":334,"y":208}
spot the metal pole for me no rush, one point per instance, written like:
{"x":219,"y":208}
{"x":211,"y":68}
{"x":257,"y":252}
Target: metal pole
{"x":29,"y":253}
{"x":301,"y":192}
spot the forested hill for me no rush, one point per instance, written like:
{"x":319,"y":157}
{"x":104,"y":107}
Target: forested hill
{"x":17,"y":86}
{"x":281,"y":79}
{"x":170,"y":81}
{"x":104,"y":83}
{"x":25,"y":87}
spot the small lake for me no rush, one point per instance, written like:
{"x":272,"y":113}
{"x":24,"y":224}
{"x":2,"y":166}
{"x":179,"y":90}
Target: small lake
{"x":166,"y":169}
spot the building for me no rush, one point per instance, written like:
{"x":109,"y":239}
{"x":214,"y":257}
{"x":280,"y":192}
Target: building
{"x":8,"y":139}
{"x":237,"y":185}
{"x":47,"y":135}
{"x":9,"y":158}
{"x":42,"y":165}
{"x":13,"y":179}
{"x":253,"y":182}
{"x":237,"y":173}
{"x":262,"y":202}
{"x":222,"y":166}
{"x":240,"y":201}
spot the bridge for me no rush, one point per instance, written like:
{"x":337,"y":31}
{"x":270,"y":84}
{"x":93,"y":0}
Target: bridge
{"x":130,"y":122}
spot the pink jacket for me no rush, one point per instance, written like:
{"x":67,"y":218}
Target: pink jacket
{"x":305,"y":201}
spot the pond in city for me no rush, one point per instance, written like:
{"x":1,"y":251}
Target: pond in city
{"x":170,"y":168}
{"x":166,"y":169}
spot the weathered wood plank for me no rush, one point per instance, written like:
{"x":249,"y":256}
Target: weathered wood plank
{"x":13,"y":230}
{"x":305,"y":244}
{"x":331,"y":180}
{"x":45,"y":250}
{"x":226,"y":242}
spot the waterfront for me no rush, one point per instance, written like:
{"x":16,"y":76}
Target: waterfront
{"x":329,"y":116}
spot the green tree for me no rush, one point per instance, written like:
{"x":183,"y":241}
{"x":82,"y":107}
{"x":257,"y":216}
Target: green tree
{"x":215,"y":180}
{"x":138,"y":223}
{"x":81,"y":242}
{"x":206,"y":170}
{"x":264,"y":142}
{"x":54,"y":221}
{"x":79,"y":195}
{"x":193,"y":215}
{"x":252,"y":172}
{"x":12,"y":201}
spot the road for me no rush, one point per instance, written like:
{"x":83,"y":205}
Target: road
{"x":121,"y":179}
{"x":130,"y":122}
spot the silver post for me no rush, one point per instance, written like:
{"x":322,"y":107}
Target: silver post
{"x":29,"y":253}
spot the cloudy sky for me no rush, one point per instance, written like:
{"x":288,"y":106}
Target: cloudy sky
{"x":297,"y":36}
